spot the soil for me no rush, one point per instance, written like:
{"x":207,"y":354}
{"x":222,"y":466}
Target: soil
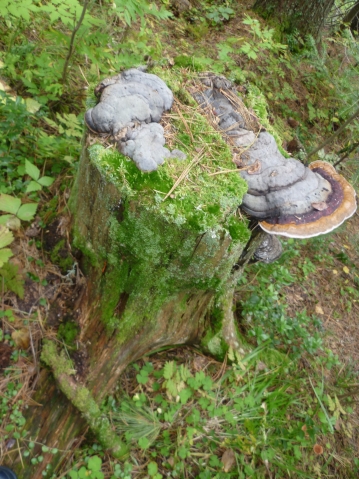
{"x":5,"y":355}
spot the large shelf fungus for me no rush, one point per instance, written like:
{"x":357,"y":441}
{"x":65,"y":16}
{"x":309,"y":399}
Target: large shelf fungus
{"x":130,"y":108}
{"x":336,"y":204}
{"x":285,"y":196}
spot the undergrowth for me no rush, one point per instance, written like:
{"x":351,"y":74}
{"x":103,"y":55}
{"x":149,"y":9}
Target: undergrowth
{"x":284,"y":410}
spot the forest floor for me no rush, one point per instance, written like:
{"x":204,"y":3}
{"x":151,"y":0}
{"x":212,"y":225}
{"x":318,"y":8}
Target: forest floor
{"x":326,"y":272}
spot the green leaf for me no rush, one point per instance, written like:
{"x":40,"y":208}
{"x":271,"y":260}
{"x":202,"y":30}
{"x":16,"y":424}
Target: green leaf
{"x":9,"y":204}
{"x":144,"y":443}
{"x":171,"y":387}
{"x":185,"y":394}
{"x":46,"y":181}
{"x":12,"y":280}
{"x":73,"y":475}
{"x":83,"y":473}
{"x":27,"y":211}
{"x":6,"y":237}
{"x":95,"y":463}
{"x":33,"y":186}
{"x":169,"y":369}
{"x":5,"y":254}
{"x":32,"y":170}
{"x":142,"y":378}
{"x":184,"y":372}
{"x":152,"y":468}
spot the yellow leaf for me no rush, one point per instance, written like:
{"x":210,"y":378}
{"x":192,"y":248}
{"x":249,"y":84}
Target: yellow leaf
{"x":346,"y":269}
{"x":21,"y":338}
{"x":335,"y":271}
{"x":32,"y":106}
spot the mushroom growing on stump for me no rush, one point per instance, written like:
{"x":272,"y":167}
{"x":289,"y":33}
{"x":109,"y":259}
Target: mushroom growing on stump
{"x":291,"y":199}
{"x":130,"y":108}
{"x":287,"y":198}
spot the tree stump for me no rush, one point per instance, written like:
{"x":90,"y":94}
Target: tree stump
{"x":160,"y":271}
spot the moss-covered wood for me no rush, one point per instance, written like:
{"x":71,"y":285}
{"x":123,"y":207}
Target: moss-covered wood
{"x":160,"y":271}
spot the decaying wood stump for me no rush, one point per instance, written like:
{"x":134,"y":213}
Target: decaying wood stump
{"x":160,"y":271}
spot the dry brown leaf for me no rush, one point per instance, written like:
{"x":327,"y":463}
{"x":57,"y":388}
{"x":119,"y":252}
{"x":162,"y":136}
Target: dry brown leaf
{"x":21,"y":338}
{"x":228,"y":460}
{"x":319,"y":309}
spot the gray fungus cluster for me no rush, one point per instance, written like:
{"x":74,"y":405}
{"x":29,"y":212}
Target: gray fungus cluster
{"x":287,"y":197}
{"x":130,"y":108}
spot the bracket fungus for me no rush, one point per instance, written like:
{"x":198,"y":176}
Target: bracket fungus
{"x":130,"y":108}
{"x":287,"y":197}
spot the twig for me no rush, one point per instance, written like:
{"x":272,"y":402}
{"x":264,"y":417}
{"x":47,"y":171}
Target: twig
{"x":82,"y":73}
{"x":350,"y":150}
{"x":226,"y":171}
{"x":72,"y":40}
{"x":32,"y":347}
{"x":195,"y":160}
{"x":184,"y":122}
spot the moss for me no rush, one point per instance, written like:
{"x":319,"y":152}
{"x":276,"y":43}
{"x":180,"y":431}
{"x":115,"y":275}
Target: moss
{"x":257,"y":101}
{"x":61,"y":257}
{"x":213,"y":341}
{"x":91,"y":258}
{"x":67,"y":332}
{"x":112,"y":303}
{"x":50,"y":356}
{"x":184,"y":61}
{"x":82,"y":399}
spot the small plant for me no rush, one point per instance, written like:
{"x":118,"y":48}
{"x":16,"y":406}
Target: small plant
{"x":219,"y":14}
{"x":37,"y":183}
{"x":248,"y":422}
{"x":92,"y":470}
{"x":17,"y":211}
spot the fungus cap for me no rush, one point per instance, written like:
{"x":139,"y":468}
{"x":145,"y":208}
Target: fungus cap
{"x":325,"y":216}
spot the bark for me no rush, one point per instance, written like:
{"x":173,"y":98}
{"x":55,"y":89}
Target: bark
{"x":306,"y":16}
{"x":151,"y":282}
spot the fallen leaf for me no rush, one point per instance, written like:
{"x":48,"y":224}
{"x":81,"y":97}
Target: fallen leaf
{"x":319,"y":309}
{"x":228,"y":460}
{"x":255,"y":169}
{"x":346,"y":269}
{"x":21,"y":338}
{"x":335,"y":271}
